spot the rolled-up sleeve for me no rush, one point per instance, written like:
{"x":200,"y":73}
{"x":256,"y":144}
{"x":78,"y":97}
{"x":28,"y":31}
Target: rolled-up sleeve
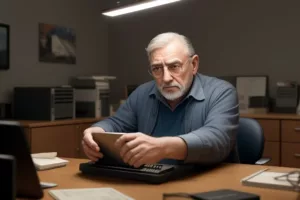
{"x":213,"y":142}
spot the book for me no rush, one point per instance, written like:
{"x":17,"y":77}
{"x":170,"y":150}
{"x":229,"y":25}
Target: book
{"x":88,"y":193}
{"x":269,"y":179}
{"x":44,"y":161}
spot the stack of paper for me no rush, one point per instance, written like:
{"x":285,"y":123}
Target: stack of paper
{"x":267,"y":179}
{"x":43,"y":161}
{"x":88,"y":193}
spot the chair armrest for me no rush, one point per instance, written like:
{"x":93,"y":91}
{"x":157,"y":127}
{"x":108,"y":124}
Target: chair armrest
{"x":262,"y":161}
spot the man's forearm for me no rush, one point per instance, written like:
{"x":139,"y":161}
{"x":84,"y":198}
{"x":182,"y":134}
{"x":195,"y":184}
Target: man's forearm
{"x":174,"y":148}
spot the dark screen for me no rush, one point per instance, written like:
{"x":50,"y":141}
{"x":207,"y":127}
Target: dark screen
{"x":14,"y":143}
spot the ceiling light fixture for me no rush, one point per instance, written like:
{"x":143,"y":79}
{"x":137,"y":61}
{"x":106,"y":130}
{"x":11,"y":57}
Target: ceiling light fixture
{"x":137,"y":7}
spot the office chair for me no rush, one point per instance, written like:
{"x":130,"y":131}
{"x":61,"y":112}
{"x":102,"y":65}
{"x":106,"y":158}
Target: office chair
{"x":250,"y":142}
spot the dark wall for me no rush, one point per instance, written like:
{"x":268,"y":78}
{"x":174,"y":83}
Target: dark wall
{"x":23,"y":17}
{"x":233,"y":37}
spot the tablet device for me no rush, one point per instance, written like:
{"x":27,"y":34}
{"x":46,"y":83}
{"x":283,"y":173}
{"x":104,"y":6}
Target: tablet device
{"x":106,"y":142}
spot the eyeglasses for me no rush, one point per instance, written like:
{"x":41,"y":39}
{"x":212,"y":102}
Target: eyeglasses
{"x":174,"y":69}
{"x":292,"y":177}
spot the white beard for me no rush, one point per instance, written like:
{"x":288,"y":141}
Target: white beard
{"x":172,"y":95}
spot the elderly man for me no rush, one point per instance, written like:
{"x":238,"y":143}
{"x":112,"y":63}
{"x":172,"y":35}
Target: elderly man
{"x":179,"y":117}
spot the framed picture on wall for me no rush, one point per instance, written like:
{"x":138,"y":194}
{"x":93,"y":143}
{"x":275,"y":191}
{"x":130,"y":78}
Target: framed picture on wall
{"x":57,"y":44}
{"x":4,"y":46}
{"x":250,"y":87}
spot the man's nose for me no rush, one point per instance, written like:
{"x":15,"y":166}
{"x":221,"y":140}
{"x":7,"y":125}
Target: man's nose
{"x":167,"y":75}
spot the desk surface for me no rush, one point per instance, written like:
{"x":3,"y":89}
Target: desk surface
{"x":226,"y":176}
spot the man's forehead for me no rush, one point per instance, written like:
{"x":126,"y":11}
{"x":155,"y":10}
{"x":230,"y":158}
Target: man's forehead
{"x":166,"y":56}
{"x":170,"y":59}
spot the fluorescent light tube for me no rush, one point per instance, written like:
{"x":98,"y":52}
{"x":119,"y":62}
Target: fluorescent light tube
{"x":138,"y":7}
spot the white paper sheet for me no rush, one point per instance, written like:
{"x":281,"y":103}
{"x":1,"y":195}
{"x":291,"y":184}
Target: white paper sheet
{"x":88,"y":193}
{"x":266,"y":179}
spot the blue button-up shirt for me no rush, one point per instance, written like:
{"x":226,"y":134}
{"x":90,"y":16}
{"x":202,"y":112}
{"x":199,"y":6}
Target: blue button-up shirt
{"x":210,"y":121}
{"x":169,"y":123}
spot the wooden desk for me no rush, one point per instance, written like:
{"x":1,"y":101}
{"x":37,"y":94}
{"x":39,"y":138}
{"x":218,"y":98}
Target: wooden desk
{"x":227,"y":176}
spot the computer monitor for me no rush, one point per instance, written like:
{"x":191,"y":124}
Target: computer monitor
{"x":14,"y":143}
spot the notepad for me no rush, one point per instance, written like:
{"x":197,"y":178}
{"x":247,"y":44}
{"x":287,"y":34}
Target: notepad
{"x":49,"y":163}
{"x":44,"y":155}
{"x":266,"y":179}
{"x":88,"y":193}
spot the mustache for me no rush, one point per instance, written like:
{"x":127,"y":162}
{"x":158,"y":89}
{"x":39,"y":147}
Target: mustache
{"x":171,"y":85}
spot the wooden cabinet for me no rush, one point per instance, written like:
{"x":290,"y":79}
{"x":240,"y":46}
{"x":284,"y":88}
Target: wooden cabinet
{"x":61,"y":139}
{"x":271,"y":130}
{"x":290,"y":131}
{"x":61,"y":136}
{"x":81,"y":128}
{"x":281,"y":131}
{"x":272,"y":151}
{"x":282,"y":138}
{"x":290,"y":137}
{"x":290,"y":154}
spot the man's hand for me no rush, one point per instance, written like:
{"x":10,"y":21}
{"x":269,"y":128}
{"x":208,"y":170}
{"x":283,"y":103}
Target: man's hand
{"x":90,"y":147}
{"x":137,"y":149}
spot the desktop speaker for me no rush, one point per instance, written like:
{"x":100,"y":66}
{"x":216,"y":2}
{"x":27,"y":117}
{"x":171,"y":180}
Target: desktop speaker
{"x":7,"y":177}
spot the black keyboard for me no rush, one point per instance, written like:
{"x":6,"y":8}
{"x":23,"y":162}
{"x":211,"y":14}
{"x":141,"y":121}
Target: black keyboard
{"x":156,"y":173}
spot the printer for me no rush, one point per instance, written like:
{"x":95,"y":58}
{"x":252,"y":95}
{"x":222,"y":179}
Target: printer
{"x":287,"y":97}
{"x":92,"y":96}
{"x":43,"y":103}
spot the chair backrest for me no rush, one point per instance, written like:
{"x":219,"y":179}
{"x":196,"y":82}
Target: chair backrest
{"x":250,"y":141}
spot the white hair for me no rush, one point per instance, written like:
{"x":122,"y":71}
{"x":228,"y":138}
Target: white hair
{"x":164,"y":39}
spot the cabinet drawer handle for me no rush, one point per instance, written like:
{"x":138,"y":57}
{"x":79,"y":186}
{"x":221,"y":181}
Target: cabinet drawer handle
{"x":297,"y":129}
{"x":297,"y":155}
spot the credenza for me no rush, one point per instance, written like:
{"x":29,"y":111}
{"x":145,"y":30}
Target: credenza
{"x":61,"y":136}
{"x":282,"y":137}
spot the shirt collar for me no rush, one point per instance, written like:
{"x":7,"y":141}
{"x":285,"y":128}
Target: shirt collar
{"x":196,"y":91}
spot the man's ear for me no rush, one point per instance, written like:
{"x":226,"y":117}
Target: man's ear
{"x":195,"y":63}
